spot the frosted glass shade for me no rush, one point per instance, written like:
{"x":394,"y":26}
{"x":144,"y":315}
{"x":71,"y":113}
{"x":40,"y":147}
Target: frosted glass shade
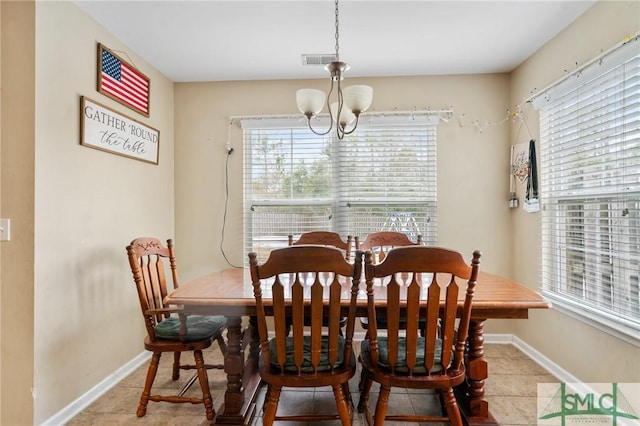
{"x":310,"y":101}
{"x":358,"y":97}
{"x":346,"y":116}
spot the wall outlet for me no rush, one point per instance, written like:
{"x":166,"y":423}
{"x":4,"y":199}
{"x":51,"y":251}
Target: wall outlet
{"x":5,"y":229}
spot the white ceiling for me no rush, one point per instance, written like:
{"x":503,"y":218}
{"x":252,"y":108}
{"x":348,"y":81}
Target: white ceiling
{"x":256,"y":40}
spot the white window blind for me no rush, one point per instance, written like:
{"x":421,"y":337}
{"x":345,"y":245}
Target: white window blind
{"x":387,"y":181}
{"x":381,"y":177}
{"x":590,"y":192}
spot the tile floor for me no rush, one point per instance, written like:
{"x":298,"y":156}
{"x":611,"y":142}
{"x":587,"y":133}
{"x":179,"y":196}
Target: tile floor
{"x":510,"y":390}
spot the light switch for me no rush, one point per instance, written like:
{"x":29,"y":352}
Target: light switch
{"x":5,"y":229}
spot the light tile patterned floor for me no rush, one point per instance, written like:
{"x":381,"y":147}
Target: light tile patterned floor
{"x":510,"y":390}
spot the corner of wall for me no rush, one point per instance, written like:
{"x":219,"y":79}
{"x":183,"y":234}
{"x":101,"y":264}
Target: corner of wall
{"x":17,"y":146}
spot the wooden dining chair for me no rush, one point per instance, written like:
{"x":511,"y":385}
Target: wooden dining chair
{"x":380,"y":243}
{"x":415,"y":279}
{"x":325,"y":238}
{"x":169,"y":329}
{"x":328,"y":239}
{"x":300,"y":282}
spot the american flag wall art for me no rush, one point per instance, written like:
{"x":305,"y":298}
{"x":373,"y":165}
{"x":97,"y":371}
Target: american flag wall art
{"x":121,"y":82}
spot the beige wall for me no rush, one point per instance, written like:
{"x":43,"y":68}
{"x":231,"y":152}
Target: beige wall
{"x":17,"y":143}
{"x":89,"y":204}
{"x":589,"y":354}
{"x":472,"y":166}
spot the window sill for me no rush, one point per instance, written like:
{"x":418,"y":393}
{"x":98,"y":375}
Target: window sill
{"x":613,"y":327}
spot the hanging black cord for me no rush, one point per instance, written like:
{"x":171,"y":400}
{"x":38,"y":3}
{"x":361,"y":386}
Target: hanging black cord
{"x":532,"y":181}
{"x":226,"y":203}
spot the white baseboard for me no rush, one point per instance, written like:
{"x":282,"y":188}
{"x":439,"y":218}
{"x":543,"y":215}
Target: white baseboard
{"x":553,"y":368}
{"x":73,"y":409}
{"x":506,"y":339}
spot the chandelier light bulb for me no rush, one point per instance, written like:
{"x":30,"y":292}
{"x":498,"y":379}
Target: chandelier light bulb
{"x":358,"y":97}
{"x":346,"y":116}
{"x":310,"y":101}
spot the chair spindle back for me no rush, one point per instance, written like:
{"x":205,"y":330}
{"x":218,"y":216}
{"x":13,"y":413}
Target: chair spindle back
{"x":416,"y":279}
{"x":147,"y":258}
{"x":296,"y":282}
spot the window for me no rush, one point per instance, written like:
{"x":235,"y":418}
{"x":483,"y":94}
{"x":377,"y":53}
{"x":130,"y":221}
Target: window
{"x":381,"y":177}
{"x":590,"y":192}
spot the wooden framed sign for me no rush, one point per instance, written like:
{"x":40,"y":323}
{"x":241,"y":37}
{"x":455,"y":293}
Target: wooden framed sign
{"x":107,"y":130}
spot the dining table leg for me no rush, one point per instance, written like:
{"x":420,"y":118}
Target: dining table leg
{"x":474,"y":406}
{"x":242,"y":378}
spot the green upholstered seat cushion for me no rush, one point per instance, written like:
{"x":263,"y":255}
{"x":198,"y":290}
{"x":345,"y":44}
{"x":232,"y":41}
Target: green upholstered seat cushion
{"x":198,"y":327}
{"x":400,"y":367}
{"x":307,"y":367}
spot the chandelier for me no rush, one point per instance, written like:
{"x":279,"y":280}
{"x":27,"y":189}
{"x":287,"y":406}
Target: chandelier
{"x":346,"y":106}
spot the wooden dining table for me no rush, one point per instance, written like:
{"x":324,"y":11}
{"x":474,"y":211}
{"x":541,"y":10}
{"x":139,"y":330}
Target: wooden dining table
{"x":229,"y":292}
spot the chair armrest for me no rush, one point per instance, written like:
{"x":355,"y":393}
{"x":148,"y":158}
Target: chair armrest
{"x":169,"y":310}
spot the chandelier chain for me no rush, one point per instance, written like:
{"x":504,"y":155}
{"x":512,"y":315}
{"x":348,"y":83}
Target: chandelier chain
{"x":348,"y":106}
{"x":337,"y":34}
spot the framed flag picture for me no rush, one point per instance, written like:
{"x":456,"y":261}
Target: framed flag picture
{"x":122,"y":82}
